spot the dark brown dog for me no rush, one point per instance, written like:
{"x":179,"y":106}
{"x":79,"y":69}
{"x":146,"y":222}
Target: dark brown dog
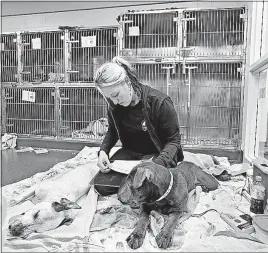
{"x":155,"y":187}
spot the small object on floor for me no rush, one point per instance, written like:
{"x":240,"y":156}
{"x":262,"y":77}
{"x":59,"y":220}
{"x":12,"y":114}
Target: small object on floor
{"x":246,"y":195}
{"x":260,"y":223}
{"x":9,"y":141}
{"x":238,"y":234}
{"x":26,"y":149}
{"x":41,"y":151}
{"x":241,"y":223}
{"x":257,"y":196}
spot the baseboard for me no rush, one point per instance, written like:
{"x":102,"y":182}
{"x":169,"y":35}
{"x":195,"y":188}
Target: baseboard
{"x":233,"y":155}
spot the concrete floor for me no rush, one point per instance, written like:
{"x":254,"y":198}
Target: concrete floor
{"x":18,"y":166}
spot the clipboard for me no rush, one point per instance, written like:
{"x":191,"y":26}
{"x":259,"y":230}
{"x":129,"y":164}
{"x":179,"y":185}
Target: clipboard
{"x":120,"y":166}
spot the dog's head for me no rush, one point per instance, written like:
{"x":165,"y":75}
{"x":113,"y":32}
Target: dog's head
{"x":145,"y":184}
{"x":42,"y":217}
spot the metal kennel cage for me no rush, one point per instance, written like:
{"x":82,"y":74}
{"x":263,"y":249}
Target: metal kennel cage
{"x":9,"y":54}
{"x":206,"y":96}
{"x":41,"y":56}
{"x":29,"y":111}
{"x":80,"y":112}
{"x":90,"y":48}
{"x":69,"y":55}
{"x":149,"y":34}
{"x":218,"y":33}
{"x":183,"y":33}
{"x":195,"y":56}
{"x":58,"y":112}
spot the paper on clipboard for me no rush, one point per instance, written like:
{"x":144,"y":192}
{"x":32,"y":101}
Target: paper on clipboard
{"x":124,"y":166}
{"x":121,"y":166}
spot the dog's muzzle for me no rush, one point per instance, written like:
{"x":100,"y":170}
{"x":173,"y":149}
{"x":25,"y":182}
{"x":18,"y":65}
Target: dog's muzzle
{"x":16,"y":228}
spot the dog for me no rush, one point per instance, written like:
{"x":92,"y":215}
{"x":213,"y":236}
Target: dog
{"x":97,"y":127}
{"x":55,"y":201}
{"x":154,"y":187}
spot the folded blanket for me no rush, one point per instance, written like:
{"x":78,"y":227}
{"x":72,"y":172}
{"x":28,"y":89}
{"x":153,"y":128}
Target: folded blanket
{"x":9,"y":141}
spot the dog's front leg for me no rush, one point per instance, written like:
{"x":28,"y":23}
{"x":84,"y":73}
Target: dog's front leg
{"x":165,"y":237}
{"x":18,"y":199}
{"x":136,"y":238}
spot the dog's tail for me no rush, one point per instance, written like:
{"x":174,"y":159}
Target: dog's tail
{"x":207,"y":181}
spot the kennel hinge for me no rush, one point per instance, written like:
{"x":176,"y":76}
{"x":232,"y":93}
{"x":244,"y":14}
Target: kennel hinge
{"x":125,"y":21}
{"x":72,"y":41}
{"x":188,"y":19}
{"x":8,"y":98}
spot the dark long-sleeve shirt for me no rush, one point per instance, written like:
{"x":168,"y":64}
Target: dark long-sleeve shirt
{"x":160,"y":120}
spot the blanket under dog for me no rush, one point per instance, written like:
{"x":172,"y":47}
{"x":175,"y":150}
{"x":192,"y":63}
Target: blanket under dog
{"x":103,"y":223}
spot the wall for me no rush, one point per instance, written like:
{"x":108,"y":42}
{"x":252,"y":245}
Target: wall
{"x":87,"y":18}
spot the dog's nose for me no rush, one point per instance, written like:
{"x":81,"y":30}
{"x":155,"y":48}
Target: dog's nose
{"x":16,"y":228}
{"x":134,"y":204}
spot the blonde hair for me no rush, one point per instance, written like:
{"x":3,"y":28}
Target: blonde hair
{"x":116,"y":72}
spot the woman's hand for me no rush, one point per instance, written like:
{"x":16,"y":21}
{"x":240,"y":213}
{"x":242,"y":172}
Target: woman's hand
{"x":103,"y":162}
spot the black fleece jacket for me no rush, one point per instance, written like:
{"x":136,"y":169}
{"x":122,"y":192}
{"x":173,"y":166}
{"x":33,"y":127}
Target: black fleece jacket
{"x":162,"y":124}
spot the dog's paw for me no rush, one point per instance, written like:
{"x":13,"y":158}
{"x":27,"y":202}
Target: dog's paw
{"x":135,"y":239}
{"x":164,"y":239}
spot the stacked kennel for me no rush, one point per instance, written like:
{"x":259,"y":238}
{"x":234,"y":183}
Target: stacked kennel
{"x":196,"y":57}
{"x":47,"y":80}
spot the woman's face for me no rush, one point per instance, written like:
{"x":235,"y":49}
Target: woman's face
{"x":120,"y":94}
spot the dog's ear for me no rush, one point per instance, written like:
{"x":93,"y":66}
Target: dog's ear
{"x":65,"y":204}
{"x":57,"y":206}
{"x":142,"y":174}
{"x":102,"y":120}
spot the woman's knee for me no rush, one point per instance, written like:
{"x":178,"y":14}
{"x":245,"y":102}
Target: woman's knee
{"x":105,"y":190}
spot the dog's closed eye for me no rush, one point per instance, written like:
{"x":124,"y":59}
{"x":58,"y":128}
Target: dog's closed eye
{"x":36,"y":215}
{"x":22,"y":213}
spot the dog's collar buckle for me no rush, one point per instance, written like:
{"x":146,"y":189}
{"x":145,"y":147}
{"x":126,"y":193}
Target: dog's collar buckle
{"x":169,"y":188}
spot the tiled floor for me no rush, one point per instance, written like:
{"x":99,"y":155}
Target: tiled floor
{"x":17,"y":166}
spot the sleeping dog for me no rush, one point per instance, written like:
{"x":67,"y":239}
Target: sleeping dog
{"x":155,"y":187}
{"x":55,"y":200}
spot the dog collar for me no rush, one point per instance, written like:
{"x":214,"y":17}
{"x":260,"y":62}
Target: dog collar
{"x":169,"y":188}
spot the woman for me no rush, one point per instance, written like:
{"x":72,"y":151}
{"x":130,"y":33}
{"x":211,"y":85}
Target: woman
{"x":143,"y":118}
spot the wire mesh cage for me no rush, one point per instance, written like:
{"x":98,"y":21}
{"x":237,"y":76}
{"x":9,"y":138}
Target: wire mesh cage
{"x":90,"y":49}
{"x":82,"y":113}
{"x":206,"y":96}
{"x":9,"y":63}
{"x":214,"y":33}
{"x":42,"y":56}
{"x":29,"y":111}
{"x":150,"y":34}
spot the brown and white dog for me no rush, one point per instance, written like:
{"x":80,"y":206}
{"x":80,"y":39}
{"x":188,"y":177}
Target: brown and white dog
{"x":154,"y":187}
{"x":55,"y":200}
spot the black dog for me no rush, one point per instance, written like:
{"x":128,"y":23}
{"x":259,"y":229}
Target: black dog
{"x":155,"y":187}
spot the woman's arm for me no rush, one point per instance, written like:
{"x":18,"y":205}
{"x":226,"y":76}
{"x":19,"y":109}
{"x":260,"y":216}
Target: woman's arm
{"x":111,"y":137}
{"x":169,"y":134}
